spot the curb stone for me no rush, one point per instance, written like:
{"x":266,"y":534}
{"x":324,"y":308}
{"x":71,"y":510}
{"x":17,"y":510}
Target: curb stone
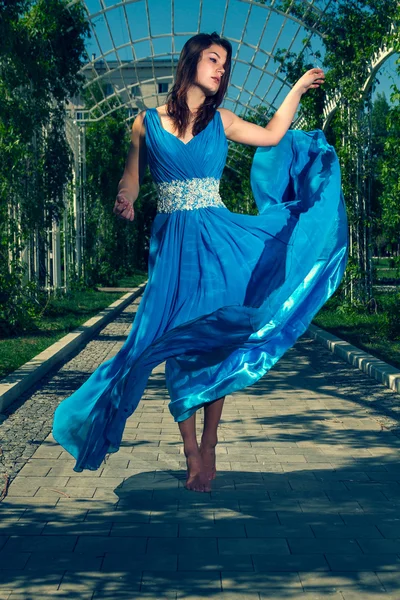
{"x":20,"y":380}
{"x":369,"y":364}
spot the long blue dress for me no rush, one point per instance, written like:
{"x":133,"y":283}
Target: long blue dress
{"x":227,"y":293}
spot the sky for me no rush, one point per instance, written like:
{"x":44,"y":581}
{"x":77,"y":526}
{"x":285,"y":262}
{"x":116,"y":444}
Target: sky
{"x":188,"y":19}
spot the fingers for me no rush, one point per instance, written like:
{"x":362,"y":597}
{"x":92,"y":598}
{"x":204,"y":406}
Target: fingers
{"x":123,"y":208}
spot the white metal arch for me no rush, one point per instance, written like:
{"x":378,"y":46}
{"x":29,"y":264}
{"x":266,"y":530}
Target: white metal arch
{"x":279,"y":29}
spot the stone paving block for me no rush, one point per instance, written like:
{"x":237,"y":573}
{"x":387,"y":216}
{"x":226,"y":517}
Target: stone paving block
{"x":56,"y":594}
{"x":367,"y":518}
{"x":229,"y":595}
{"x":32,"y":470}
{"x":27,"y":501}
{"x":96,"y":482}
{"x":184,"y":546}
{"x":288,"y":504}
{"x":278,"y":594}
{"x":345,"y":531}
{"x":110,"y":595}
{"x":258,"y":530}
{"x":22,"y":489}
{"x":322,"y":546}
{"x":329,"y":506}
{"x":145,"y":530}
{"x":364,"y":562}
{"x":73,"y":492}
{"x":316,"y":486}
{"x":289,"y":563}
{"x":106,"y":545}
{"x":253,"y":546}
{"x":39,"y":543}
{"x":214,"y":562}
{"x":201,"y":515}
{"x":383,"y":476}
{"x":242,"y":582}
{"x":97,"y":581}
{"x":366,"y":595}
{"x":48,"y":451}
{"x":62,"y":561}
{"x":21,"y":528}
{"x":341,"y":582}
{"x":185,"y":583}
{"x":360,"y":496}
{"x":126,"y":562}
{"x":11,"y":559}
{"x":107,"y":494}
{"x":57,"y":513}
{"x":114,"y":516}
{"x":93,"y":528}
{"x":116,"y":460}
{"x":38,"y":583}
{"x":390,"y":580}
{"x":65,"y":469}
{"x":389,"y":508}
{"x":213,"y":530}
{"x":76,"y":503}
{"x":380,"y":546}
{"x":389,"y":530}
{"x":119,"y":472}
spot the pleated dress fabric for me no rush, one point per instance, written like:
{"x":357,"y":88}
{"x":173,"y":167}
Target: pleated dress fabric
{"x":227,"y":293}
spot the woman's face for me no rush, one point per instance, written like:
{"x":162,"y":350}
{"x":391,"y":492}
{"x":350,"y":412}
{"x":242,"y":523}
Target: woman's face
{"x":210,"y":69}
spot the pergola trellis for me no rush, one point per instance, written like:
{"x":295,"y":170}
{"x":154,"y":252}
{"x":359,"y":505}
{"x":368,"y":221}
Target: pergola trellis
{"x":256,"y":30}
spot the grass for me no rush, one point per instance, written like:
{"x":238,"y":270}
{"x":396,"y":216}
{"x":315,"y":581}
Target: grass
{"x":364,"y":330}
{"x":60,"y":316}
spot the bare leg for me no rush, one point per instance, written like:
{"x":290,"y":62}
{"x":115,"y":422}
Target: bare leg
{"x":197,"y":479}
{"x":209,"y":439}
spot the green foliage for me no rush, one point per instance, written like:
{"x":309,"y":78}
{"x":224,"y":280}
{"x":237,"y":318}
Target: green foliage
{"x":390,"y":172}
{"x":19,"y":305}
{"x":42,"y":46}
{"x":352,"y":33}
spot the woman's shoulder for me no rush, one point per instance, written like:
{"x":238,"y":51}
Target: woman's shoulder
{"x":227,"y":117}
{"x":138,"y":124}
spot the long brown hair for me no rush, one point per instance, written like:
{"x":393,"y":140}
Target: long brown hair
{"x":177,"y":108}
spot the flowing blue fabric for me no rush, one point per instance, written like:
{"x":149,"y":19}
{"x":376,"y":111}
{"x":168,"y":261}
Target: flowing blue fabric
{"x":227,"y":293}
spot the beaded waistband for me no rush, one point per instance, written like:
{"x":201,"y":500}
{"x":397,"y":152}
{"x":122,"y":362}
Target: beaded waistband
{"x":189,"y":194}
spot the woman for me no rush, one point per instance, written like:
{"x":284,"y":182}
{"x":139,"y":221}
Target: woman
{"x":227,"y":293}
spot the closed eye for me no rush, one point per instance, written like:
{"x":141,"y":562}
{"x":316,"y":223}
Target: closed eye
{"x":214,"y":59}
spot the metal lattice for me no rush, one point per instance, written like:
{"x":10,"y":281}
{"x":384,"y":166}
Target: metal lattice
{"x":256,"y":31}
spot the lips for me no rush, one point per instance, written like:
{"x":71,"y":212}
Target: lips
{"x":215,"y":79}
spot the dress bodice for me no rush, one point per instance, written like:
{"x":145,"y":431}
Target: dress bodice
{"x":171,"y":159}
{"x":186,"y":175}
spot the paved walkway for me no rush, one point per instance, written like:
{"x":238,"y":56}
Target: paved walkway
{"x":306,"y":504}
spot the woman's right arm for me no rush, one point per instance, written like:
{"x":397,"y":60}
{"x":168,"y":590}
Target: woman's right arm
{"x":135,"y":166}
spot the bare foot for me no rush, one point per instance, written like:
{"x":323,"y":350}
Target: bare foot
{"x":197,"y":479}
{"x":207,"y":452}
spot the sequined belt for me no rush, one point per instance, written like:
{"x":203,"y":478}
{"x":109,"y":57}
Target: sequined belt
{"x":189,"y":194}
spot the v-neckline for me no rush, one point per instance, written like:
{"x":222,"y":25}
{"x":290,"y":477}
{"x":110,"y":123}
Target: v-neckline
{"x":174,"y":136}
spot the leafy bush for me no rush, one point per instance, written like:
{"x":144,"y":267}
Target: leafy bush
{"x":19,"y":304}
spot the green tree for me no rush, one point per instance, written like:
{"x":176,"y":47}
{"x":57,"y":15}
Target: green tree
{"x":41,"y":51}
{"x":352,"y":33}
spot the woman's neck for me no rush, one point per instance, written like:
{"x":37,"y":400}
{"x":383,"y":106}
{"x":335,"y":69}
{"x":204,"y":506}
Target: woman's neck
{"x":195,"y":98}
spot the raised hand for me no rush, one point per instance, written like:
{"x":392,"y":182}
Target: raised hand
{"x":123,"y":208}
{"x":312,"y":78}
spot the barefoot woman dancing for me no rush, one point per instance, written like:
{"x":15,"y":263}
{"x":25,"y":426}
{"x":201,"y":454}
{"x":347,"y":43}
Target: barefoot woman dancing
{"x":227,"y":293}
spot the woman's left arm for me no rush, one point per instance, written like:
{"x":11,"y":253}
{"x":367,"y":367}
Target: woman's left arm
{"x":243,"y":132}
